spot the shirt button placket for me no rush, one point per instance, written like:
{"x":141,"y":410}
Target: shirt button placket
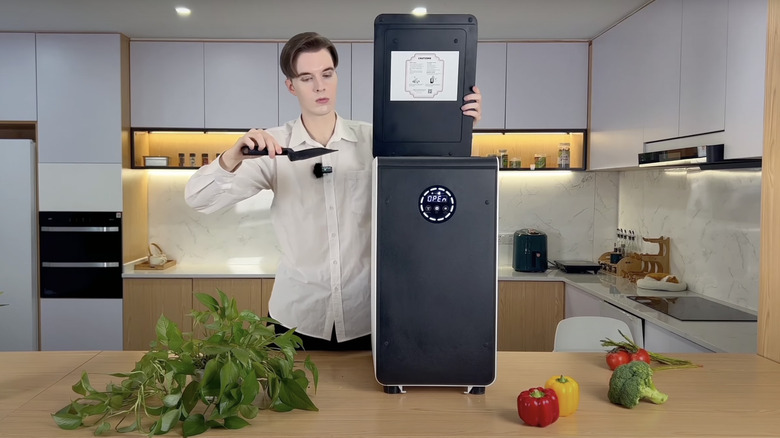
{"x":334,"y":252}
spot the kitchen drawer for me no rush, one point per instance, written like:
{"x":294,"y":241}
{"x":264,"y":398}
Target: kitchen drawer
{"x":661,"y":340}
{"x":635,"y":323}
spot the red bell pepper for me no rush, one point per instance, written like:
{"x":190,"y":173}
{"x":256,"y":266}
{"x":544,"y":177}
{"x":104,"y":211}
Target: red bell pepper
{"x":538,"y":406}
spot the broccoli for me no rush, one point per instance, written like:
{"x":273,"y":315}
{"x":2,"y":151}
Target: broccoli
{"x":632,"y":382}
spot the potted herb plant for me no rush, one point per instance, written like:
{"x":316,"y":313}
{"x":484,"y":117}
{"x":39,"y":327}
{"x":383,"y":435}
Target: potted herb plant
{"x":220,"y":379}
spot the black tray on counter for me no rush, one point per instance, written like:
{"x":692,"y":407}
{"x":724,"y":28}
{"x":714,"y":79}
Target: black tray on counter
{"x":577,"y":266}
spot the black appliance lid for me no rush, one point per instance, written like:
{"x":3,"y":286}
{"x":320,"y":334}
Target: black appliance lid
{"x":692,"y":308}
{"x":423,"y":66}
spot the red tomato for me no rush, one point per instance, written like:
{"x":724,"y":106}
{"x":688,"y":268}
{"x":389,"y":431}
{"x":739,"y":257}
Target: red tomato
{"x":642,"y":355}
{"x":617,"y":358}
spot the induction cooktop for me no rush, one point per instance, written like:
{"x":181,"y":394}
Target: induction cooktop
{"x":577,"y":266}
{"x":690,"y":308}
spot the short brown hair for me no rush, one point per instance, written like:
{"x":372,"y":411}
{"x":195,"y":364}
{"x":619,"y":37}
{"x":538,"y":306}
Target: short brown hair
{"x":304,"y":42}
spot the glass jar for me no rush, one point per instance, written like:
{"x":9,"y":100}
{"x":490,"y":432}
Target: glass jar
{"x":540,"y":161}
{"x":564,"y":156}
{"x":515,"y":163}
{"x":204,"y":159}
{"x":181,"y":160}
{"x":503,"y":158}
{"x":192,"y":160}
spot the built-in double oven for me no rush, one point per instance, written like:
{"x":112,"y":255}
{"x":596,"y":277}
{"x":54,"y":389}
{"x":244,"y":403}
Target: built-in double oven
{"x":80,"y":280}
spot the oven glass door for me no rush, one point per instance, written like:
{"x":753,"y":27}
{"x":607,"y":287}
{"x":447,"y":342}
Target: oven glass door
{"x":58,"y":281}
{"x":81,"y":255}
{"x":81,"y":244}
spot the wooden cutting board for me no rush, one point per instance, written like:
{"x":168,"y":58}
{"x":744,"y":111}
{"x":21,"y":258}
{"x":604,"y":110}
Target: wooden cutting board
{"x":145,"y":266}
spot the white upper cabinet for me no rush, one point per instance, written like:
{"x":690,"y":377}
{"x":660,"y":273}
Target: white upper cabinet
{"x":167,"y":84}
{"x":80,"y":187}
{"x":241,"y":85}
{"x":491,"y":80}
{"x":79,"y":78}
{"x":289,"y":109}
{"x":211,"y":85}
{"x":547,"y":86}
{"x":17,"y":77}
{"x":684,"y":73}
{"x":703,"y":68}
{"x":617,"y":118}
{"x":661,"y":67}
{"x":362,"y":82}
{"x":745,"y":78}
{"x":702,"y":78}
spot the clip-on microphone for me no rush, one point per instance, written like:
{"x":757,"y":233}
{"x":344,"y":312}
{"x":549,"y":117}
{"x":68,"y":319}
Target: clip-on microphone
{"x":320,"y":170}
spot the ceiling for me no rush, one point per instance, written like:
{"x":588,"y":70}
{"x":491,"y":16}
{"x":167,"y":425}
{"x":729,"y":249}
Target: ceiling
{"x":336,"y":19}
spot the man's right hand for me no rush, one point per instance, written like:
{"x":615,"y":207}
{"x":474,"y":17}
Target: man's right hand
{"x":254,"y":138}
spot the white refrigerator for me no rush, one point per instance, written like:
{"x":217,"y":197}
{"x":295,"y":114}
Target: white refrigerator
{"x":18,"y":246}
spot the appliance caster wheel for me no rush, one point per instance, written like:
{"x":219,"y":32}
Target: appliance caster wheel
{"x":394,"y":389}
{"x":476,"y":390}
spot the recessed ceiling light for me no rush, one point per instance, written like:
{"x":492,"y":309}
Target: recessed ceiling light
{"x":419,"y":11}
{"x":183,"y":11}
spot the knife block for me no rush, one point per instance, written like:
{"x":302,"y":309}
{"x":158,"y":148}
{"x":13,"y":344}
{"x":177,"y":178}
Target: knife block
{"x":635,"y":266}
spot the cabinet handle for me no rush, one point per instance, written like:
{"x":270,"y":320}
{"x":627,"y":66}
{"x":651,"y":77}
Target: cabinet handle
{"x":79,"y":264}
{"x":81,"y":229}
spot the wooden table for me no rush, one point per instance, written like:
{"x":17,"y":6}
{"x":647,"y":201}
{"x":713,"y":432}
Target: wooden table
{"x":732,"y":395}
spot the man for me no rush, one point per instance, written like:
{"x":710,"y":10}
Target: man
{"x":322,"y":285}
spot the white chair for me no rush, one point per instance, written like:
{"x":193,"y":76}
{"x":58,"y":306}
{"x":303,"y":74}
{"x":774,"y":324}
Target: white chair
{"x":584,"y":333}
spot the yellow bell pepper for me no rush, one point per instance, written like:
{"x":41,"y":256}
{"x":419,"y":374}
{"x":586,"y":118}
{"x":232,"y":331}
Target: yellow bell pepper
{"x":568,"y":392}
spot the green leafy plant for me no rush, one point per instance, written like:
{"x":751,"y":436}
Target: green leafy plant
{"x":221,"y":379}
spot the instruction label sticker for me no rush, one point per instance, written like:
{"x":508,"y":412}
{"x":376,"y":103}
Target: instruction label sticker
{"x":424,"y":75}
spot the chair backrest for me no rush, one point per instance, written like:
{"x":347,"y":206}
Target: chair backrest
{"x":584,"y":333}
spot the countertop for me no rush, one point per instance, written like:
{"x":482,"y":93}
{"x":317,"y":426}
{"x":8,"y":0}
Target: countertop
{"x":264,"y":269}
{"x":732,"y":395}
{"x":720,"y":337}
{"x":730,"y":337}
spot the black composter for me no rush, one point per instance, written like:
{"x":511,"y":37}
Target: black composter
{"x":435,"y":210}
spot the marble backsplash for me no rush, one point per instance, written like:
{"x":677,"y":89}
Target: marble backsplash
{"x":240,"y":235}
{"x":712,"y":218}
{"x":577,"y":210}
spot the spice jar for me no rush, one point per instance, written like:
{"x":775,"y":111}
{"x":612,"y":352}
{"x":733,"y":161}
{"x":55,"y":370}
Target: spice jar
{"x":564,"y":156}
{"x":181,"y":160}
{"x":192,"y":160}
{"x":205,"y":159}
{"x":540,"y":161}
{"x":503,"y":158}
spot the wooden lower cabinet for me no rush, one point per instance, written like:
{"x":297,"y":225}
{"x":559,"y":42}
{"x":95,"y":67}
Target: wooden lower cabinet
{"x":268,"y":286}
{"x":246,"y":291}
{"x":145,"y":299}
{"x":528,"y":313}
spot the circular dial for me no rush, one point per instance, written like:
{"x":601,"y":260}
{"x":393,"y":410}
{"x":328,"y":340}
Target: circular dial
{"x":437,"y":204}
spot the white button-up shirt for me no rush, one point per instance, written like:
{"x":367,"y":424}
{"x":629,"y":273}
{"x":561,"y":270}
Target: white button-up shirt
{"x":323,"y":226}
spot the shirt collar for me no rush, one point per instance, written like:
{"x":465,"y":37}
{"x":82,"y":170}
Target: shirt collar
{"x":300,"y":136}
